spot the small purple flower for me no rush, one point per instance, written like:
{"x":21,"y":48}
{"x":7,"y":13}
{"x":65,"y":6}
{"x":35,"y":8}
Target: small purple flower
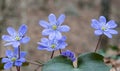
{"x":15,"y":38}
{"x":51,"y":45}
{"x":12,"y":59}
{"x":54,"y":27}
{"x":69,"y":54}
{"x":103,"y":27}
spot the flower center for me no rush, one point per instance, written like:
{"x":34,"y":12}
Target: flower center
{"x":54,"y":27}
{"x":53,"y":46}
{"x":14,"y":59}
{"x":103,"y":28}
{"x":17,"y":38}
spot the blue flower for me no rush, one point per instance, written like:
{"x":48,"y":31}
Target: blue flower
{"x":54,"y":27}
{"x":12,"y":59}
{"x":15,"y":38}
{"x":103,"y":27}
{"x":51,"y":45}
{"x":69,"y":54}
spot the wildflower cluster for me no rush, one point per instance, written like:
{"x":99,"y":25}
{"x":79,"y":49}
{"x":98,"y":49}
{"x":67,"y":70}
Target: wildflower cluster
{"x":15,"y":57}
{"x":53,"y":40}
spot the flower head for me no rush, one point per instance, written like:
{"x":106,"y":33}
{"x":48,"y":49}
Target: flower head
{"x":15,"y":38}
{"x":69,"y":54}
{"x":103,"y":27}
{"x":51,"y":45}
{"x":54,"y":27}
{"x":12,"y":59}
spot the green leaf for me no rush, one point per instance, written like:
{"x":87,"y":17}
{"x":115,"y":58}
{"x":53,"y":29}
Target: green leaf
{"x":92,"y":62}
{"x":86,"y":62}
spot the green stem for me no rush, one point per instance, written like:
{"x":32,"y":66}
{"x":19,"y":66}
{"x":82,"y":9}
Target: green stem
{"x":99,"y":42}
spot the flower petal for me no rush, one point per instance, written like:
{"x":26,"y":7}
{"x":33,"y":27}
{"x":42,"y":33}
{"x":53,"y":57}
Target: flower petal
{"x":22,"y":30}
{"x":64,"y":28}
{"x":9,"y":53}
{"x":11,"y":31}
{"x":22,"y":60}
{"x":25,"y":40}
{"x":7,"y":44}
{"x":22,"y":54}
{"x":55,"y":35}
{"x":46,"y":32}
{"x":61,"y":19}
{"x":112,"y":31}
{"x":111,"y":24}
{"x":52,"y":18}
{"x":44,"y":40}
{"x":7,"y":38}
{"x":98,"y":32}
{"x":16,"y":44}
{"x":95,"y":24}
{"x":108,"y":34}
{"x":102,"y":19}
{"x":8,"y":65}
{"x":44,"y":24}
{"x":18,"y":63}
{"x":5,"y":60}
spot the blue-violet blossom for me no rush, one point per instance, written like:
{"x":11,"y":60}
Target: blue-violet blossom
{"x":12,"y":59}
{"x":69,"y":54}
{"x":51,"y":45}
{"x":104,"y":27}
{"x":15,"y":38}
{"x":54,"y":27}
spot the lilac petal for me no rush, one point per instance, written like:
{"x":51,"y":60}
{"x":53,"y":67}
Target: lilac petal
{"x":22,"y":30}
{"x":7,"y":38}
{"x":44,"y":40}
{"x":22,"y":60}
{"x":18,"y":63}
{"x":16,"y":51}
{"x":25,"y":40}
{"x":64,"y":28}
{"x":16,"y":44}
{"x":44,"y":24}
{"x":8,"y":65}
{"x":5,"y":60}
{"x":55,"y":35}
{"x":111,"y":24}
{"x":11,"y":31}
{"x":108,"y":34}
{"x":102,"y":19}
{"x":52,"y":18}
{"x":62,"y":45}
{"x":7,"y":44}
{"x":46,"y":31}
{"x":61,"y":19}
{"x":23,"y":54}
{"x":112,"y":31}
{"x":98,"y":32}
{"x":9,"y":53}
{"x":95,"y":24}
{"x":41,"y":47}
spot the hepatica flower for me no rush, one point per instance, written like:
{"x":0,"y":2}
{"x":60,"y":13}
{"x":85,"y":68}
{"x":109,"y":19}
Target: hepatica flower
{"x":69,"y":54}
{"x":54,"y":27}
{"x":16,"y":37}
{"x":51,"y":45}
{"x":12,"y":59}
{"x":103,"y":27}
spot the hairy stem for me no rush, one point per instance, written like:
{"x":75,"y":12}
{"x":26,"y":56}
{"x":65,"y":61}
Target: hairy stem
{"x":60,"y":51}
{"x":99,"y":42}
{"x":52,"y":54}
{"x":19,"y":56}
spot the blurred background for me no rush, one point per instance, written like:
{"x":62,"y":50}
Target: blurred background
{"x":78,"y":13}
